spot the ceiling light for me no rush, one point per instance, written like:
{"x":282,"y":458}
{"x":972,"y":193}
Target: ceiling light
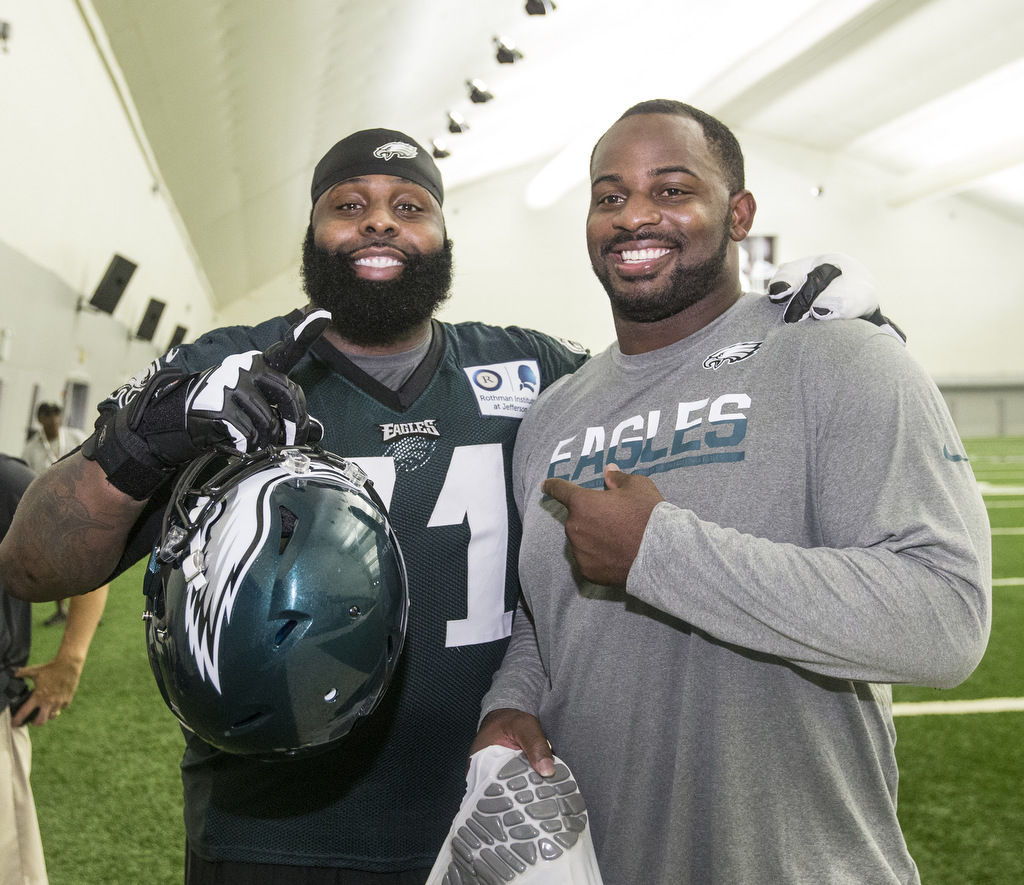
{"x":440,"y":149}
{"x":507,"y":54}
{"x":478,"y":93}
{"x":456,"y":122}
{"x":539,"y":7}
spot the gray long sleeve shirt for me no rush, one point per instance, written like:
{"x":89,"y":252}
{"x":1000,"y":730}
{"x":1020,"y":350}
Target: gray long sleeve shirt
{"x":728,"y":713}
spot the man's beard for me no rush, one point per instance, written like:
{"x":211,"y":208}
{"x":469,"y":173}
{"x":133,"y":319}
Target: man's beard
{"x":376,"y":312}
{"x":687,"y":285}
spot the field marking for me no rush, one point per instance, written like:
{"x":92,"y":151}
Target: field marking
{"x":1013,"y":530}
{"x":991,"y":488}
{"x":1008,"y":582}
{"x":945,"y":708}
{"x":1000,"y":505}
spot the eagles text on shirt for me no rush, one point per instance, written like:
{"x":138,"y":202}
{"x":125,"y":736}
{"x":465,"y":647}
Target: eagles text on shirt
{"x":685,"y":435}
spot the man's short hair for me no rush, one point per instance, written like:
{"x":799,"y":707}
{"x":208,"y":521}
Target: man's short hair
{"x":45,"y":410}
{"x":719,"y":137}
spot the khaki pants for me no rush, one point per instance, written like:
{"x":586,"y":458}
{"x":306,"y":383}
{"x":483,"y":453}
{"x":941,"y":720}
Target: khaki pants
{"x":21,"y":846}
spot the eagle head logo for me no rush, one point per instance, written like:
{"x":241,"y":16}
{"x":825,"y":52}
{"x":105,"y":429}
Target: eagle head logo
{"x":395,"y":149}
{"x":732,"y":354}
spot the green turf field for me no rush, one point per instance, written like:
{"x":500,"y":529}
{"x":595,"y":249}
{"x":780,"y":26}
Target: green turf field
{"x":962,"y":775}
{"x":106,"y":781}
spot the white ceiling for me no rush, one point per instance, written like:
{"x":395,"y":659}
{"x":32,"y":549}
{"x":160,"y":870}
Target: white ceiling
{"x":236,"y":100}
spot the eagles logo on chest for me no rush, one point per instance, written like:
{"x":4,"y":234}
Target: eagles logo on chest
{"x":732,"y":354}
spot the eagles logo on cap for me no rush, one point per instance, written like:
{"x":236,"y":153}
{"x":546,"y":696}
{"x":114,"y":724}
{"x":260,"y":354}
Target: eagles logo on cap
{"x":395,"y":149}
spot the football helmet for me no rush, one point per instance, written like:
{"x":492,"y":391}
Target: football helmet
{"x":277,"y":600}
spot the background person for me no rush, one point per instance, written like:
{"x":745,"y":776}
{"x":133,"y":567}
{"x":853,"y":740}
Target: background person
{"x":52,"y":441}
{"x":53,"y":686}
{"x":715,"y":626}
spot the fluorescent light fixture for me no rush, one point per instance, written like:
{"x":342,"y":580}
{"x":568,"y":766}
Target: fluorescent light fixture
{"x":478,"y":92}
{"x":506,"y":52}
{"x":539,"y":7}
{"x":456,"y":122}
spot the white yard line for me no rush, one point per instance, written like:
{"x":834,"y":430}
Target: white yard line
{"x":943,"y":708}
{"x":991,"y":488}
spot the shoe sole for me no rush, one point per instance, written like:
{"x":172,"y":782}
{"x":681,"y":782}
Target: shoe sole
{"x":521,"y":819}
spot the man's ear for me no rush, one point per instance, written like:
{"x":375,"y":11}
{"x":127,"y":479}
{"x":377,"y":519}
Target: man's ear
{"x":743,"y":208}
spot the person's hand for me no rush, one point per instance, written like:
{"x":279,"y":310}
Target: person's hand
{"x":518,"y":731}
{"x":829,"y":287}
{"x":246,"y":402}
{"x":54,"y":685}
{"x":605,"y":528}
{"x":249,"y":402}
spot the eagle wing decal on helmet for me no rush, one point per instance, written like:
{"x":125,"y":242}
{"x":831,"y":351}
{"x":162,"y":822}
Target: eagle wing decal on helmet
{"x":211,"y":595}
{"x":239,"y":535}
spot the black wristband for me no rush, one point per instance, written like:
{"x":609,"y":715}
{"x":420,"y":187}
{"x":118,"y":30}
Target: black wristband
{"x":125,"y":456}
{"x":126,"y":472}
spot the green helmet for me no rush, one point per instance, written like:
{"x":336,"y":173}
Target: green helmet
{"x":277,"y":600}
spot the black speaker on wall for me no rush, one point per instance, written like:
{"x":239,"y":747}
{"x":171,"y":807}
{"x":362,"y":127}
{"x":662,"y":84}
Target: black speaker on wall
{"x":147,"y":328}
{"x":112,"y":286}
{"x":179,"y":335}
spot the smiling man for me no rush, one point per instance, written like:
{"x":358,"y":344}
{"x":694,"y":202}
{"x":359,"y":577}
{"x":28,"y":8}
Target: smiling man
{"x":737,"y":534}
{"x":660,"y":258}
{"x":376,"y":254}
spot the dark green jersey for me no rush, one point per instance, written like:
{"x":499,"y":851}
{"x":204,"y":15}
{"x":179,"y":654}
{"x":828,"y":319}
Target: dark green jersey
{"x":439,"y":452}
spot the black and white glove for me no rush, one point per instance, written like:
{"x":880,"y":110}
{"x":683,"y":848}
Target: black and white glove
{"x":829,"y":287}
{"x":246,"y":402}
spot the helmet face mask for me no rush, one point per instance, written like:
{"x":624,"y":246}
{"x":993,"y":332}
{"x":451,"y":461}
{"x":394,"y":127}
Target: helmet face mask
{"x":279,"y":600}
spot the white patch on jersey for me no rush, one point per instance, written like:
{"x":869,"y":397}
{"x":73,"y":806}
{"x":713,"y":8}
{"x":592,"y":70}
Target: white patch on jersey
{"x":732,"y":354}
{"x":505,"y":389}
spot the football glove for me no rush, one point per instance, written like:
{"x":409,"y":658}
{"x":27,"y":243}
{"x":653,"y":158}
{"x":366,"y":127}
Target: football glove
{"x":829,"y":287}
{"x":246,"y":402}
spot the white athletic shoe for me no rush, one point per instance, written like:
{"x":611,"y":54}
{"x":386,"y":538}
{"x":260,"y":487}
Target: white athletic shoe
{"x":515,"y":826}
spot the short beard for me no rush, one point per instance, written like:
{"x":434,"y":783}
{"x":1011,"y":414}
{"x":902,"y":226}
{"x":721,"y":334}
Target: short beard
{"x":374,"y":313}
{"x":686,"y":287}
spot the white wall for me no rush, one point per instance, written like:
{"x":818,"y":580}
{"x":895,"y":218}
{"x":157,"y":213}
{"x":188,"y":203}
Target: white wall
{"x":76,"y":189}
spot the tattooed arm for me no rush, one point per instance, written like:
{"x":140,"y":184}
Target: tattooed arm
{"x":68,"y":533}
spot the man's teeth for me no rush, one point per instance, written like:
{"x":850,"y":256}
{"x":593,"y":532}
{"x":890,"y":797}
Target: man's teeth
{"x":642,"y":254}
{"x":378,"y":261}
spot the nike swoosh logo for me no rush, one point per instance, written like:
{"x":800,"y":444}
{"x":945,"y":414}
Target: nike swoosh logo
{"x":949,"y":456}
